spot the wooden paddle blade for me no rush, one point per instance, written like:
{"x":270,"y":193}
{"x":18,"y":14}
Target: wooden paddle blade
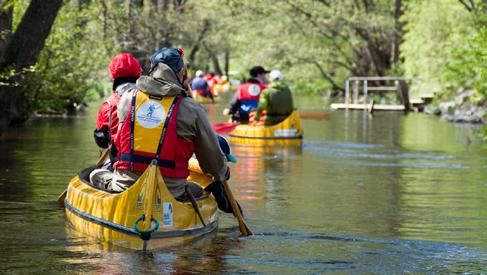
{"x":104,"y":156}
{"x":224,"y":127}
{"x":244,"y":229}
{"x":318,"y":115}
{"x":62,"y":197}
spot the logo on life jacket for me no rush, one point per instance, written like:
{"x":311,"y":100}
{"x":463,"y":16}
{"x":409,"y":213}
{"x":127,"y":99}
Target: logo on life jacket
{"x":150,"y":114}
{"x":254,"y":90}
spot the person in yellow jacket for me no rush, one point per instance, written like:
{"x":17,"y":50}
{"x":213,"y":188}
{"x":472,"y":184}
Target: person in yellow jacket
{"x":158,"y":120}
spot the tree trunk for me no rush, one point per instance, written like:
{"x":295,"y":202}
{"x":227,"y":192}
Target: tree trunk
{"x":214,"y":59}
{"x":327,"y":76}
{"x":397,"y":31}
{"x":201,"y":36}
{"x":22,"y":51}
{"x":378,"y":54}
{"x":227,"y":60}
{"x":6,"y":12}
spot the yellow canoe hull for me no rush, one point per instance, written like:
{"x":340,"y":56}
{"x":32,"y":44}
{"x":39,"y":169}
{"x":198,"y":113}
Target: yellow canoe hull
{"x":286,"y":133}
{"x":111,"y":216}
{"x":205,"y":100}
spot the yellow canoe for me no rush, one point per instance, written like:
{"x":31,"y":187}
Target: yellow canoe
{"x":120,"y":218}
{"x":286,"y":133}
{"x":205,"y":100}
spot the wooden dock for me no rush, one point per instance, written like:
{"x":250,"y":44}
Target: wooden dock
{"x":376,"y":107}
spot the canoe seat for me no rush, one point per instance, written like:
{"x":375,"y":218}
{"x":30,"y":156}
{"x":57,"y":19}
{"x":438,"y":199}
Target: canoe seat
{"x":84,"y":176}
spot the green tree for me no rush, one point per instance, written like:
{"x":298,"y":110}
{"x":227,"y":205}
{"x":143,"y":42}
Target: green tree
{"x":20,"y":51}
{"x":74,"y":62}
{"x":445,"y":46}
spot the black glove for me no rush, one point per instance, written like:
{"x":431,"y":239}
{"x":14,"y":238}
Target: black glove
{"x":218,"y":191}
{"x":113,"y":152}
{"x":227,"y":174}
{"x":102,"y":137}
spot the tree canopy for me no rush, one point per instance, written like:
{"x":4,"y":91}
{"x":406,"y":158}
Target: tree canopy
{"x":317,"y":44}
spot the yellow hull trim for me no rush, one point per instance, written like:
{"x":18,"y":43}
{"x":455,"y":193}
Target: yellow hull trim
{"x":286,"y":133}
{"x":111,"y":216}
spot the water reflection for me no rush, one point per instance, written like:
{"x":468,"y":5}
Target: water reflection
{"x":391,"y":193}
{"x":212,"y":252}
{"x":261,"y":174}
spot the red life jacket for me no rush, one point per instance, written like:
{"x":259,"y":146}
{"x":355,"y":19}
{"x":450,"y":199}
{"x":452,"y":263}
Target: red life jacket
{"x":150,"y":133}
{"x":107,"y":115}
{"x":112,"y":115}
{"x":248,"y":94}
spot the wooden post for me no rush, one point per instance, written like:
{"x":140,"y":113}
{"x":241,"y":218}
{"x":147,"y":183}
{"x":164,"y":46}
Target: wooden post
{"x":403,"y":94}
{"x":355,"y":91}
{"x":366,"y":92}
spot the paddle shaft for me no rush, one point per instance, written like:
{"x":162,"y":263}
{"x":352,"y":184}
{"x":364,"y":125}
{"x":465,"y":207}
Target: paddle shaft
{"x":319,"y":115}
{"x":194,"y":204}
{"x":224,"y":127}
{"x":244,"y":229}
{"x":102,"y":159}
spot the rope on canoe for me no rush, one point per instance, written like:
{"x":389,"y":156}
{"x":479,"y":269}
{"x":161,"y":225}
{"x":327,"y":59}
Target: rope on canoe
{"x":146,"y":234}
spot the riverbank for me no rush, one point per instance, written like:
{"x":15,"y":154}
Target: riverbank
{"x":464,"y":107}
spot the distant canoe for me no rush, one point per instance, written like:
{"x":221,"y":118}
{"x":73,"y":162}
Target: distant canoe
{"x":205,"y":100}
{"x":112,"y":216}
{"x":286,"y":133}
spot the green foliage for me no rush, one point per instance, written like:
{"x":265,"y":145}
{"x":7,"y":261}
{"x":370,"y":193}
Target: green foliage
{"x":72,"y":64}
{"x":317,"y":44}
{"x":444,"y":47}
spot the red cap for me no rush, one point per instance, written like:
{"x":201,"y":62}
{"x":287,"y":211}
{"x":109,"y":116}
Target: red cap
{"x":124,"y":65}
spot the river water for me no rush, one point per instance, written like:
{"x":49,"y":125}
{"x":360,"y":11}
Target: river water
{"x":388,"y":193}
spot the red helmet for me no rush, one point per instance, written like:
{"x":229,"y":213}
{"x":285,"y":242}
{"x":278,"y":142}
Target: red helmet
{"x":124,"y":65}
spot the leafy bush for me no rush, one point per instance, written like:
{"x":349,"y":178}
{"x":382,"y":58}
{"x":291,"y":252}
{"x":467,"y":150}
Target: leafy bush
{"x":444,"y":46}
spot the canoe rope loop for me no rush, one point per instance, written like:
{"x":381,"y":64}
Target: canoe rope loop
{"x":146,"y":234}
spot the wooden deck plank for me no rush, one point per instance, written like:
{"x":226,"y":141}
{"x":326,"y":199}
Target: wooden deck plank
{"x":377,"y":107}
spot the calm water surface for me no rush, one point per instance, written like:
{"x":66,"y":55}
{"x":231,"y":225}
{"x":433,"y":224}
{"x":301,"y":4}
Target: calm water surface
{"x":386,"y":194}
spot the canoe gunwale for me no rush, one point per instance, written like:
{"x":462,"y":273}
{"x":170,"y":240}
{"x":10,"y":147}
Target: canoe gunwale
{"x":130,"y":231}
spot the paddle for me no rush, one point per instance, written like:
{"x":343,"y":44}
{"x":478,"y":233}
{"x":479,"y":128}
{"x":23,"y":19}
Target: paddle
{"x":224,"y":128}
{"x":244,"y":229}
{"x":102,"y":159}
{"x":319,"y":115}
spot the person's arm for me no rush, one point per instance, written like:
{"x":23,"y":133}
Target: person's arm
{"x":123,"y":106}
{"x":193,"y":125}
{"x":263,"y":102}
{"x":102,"y":117}
{"x":102,"y":132}
{"x":234,"y":104}
{"x":207,"y":149}
{"x":208,"y":91}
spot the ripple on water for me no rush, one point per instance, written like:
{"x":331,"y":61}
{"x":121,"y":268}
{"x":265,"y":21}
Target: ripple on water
{"x":369,"y":152}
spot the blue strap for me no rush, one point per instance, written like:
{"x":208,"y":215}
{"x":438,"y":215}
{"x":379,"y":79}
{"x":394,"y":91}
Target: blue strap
{"x":132,"y":120}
